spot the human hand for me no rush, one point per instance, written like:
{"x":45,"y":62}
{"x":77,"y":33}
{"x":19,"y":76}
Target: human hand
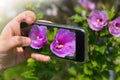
{"x":11,"y":43}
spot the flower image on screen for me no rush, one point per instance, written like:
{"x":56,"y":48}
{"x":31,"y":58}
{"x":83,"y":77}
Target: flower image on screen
{"x":53,"y":41}
{"x":38,"y":36}
{"x":64,"y":43}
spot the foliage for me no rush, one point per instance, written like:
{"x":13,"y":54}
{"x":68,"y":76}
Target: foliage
{"x":103,"y":48}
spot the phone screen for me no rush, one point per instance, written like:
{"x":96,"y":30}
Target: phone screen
{"x":57,"y":40}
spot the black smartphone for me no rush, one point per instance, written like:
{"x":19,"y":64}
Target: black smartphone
{"x":63,"y":41}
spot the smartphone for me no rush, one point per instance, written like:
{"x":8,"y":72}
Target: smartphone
{"x":62,"y":41}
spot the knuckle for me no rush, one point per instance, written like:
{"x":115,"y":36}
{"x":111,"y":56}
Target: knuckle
{"x":18,"y":40}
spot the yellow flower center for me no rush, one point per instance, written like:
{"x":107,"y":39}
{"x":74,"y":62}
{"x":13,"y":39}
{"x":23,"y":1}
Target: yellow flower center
{"x":117,"y":26}
{"x":59,"y":46}
{"x":37,"y":37}
{"x":99,"y":20}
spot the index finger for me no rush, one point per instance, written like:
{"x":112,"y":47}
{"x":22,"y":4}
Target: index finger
{"x":27,"y":16}
{"x":13,"y":27}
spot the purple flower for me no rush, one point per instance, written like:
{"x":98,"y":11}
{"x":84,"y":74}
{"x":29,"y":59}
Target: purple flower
{"x":87,"y":4}
{"x":64,"y":43}
{"x":114,"y":27}
{"x":97,"y":20}
{"x":38,"y":36}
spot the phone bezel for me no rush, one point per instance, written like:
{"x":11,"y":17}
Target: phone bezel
{"x":81,"y":38}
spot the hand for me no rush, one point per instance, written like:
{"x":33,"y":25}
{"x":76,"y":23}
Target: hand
{"x":11,"y":43}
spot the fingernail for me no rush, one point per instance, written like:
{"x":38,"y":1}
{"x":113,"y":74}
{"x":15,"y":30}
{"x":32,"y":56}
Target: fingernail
{"x":30,"y":19}
{"x":47,"y":57}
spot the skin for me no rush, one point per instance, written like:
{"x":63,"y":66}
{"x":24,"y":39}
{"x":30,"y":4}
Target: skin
{"x":11,"y":43}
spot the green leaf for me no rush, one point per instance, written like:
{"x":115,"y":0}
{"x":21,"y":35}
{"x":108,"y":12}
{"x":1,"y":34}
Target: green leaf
{"x":104,"y":8}
{"x":15,"y":71}
{"x":78,"y":10}
{"x":104,"y":32}
{"x":50,"y":36}
{"x":117,"y":39}
{"x":87,"y":70}
{"x":29,"y":75}
{"x":111,"y":13}
{"x":94,"y":63}
{"x":103,"y":67}
{"x":40,"y":16}
{"x":83,"y":77}
{"x":77,"y":18}
{"x":100,"y":48}
{"x":55,"y":31}
{"x":31,"y":62}
{"x":72,"y":78}
{"x":118,"y":78}
{"x":85,"y":24}
{"x":117,"y":68}
{"x":72,"y":71}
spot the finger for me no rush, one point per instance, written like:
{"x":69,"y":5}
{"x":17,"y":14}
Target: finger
{"x":22,"y":55}
{"x":40,"y":57}
{"x":20,"y":41}
{"x":27,"y":16}
{"x":13,"y":27}
{"x":17,"y":41}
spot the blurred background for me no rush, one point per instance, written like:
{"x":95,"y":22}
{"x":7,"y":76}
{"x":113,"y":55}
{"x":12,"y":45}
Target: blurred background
{"x":52,"y":9}
{"x":58,"y":11}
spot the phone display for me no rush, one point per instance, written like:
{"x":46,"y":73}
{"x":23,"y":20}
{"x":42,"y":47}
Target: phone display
{"x":62,"y":41}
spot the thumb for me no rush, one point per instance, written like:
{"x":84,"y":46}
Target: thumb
{"x":18,"y":41}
